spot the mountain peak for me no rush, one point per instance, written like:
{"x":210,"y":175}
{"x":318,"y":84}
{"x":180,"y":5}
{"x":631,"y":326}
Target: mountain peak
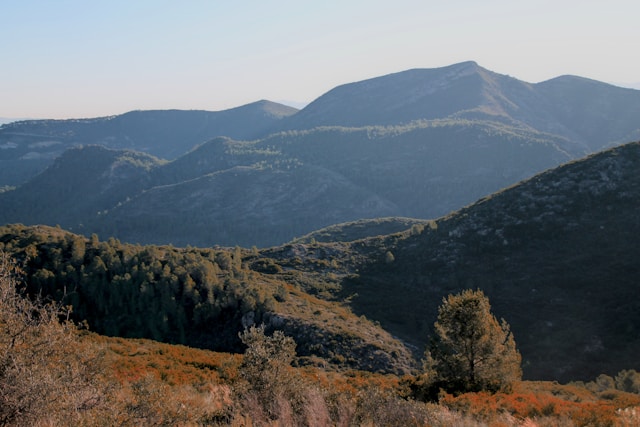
{"x":416,"y":94}
{"x":462,"y":66}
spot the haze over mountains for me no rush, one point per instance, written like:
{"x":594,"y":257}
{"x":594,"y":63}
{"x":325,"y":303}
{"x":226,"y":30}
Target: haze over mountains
{"x":419,"y":143}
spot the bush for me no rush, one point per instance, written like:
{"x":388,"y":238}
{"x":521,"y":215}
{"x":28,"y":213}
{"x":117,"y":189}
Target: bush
{"x":47,"y":374}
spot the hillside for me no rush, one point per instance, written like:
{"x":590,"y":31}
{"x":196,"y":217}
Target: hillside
{"x":198,"y":297}
{"x":30,"y":146}
{"x":79,"y":185}
{"x":557,"y":255}
{"x":269,"y":191}
{"x":356,"y":230}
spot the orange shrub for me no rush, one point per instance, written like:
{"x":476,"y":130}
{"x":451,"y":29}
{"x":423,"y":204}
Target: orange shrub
{"x":546,"y":400}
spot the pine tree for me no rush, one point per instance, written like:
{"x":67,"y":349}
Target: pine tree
{"x":471,"y":350}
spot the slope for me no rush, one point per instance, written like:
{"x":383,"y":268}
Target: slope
{"x":557,"y":255}
{"x":79,"y":185}
{"x":199,"y":297}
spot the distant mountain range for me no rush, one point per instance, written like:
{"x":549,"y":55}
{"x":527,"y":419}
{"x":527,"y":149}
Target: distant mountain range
{"x":5,"y":120}
{"x":27,"y":147}
{"x":419,"y":143}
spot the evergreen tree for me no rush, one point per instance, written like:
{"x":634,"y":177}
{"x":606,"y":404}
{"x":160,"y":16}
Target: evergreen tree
{"x":471,"y":350}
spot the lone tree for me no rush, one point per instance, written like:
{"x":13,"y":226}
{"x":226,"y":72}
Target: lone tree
{"x":471,"y":350}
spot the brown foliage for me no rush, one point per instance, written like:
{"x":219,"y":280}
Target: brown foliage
{"x":46,"y":372}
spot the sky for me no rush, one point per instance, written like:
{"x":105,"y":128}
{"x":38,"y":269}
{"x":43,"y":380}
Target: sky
{"x":79,"y":58}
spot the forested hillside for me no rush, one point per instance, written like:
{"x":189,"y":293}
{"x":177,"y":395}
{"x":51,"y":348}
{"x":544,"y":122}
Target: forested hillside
{"x":556,"y":254}
{"x":199,"y":297}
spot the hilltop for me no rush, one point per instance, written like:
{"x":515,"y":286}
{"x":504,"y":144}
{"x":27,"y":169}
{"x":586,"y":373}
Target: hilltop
{"x":589,"y":114}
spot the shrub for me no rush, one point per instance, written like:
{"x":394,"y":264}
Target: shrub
{"x":47,"y":374}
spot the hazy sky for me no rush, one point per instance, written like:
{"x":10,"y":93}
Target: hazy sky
{"x":82,"y":58}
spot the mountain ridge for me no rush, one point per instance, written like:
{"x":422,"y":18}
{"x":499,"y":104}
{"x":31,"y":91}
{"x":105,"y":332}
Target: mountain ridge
{"x":478,"y":93}
{"x":166,"y":134}
{"x":267,"y":192}
{"x":440,"y":139}
{"x":459,"y":91}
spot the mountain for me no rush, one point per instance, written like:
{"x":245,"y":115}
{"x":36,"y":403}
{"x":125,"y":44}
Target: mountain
{"x":419,"y":143}
{"x":591,"y":111}
{"x":268,"y":191}
{"x":560,"y":106}
{"x":29,"y":146}
{"x":80,"y":184}
{"x":556,"y":254}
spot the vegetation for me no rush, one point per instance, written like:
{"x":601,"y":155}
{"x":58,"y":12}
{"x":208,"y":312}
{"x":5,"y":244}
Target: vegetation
{"x":557,"y":255}
{"x":56,"y":374}
{"x":45,"y":372}
{"x":541,"y":251}
{"x":265,"y":192}
{"x":198,"y":297}
{"x":471,"y":351}
{"x":123,"y":290}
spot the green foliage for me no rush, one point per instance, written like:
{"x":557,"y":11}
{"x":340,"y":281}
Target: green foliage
{"x":198,"y":297}
{"x":471,"y":350}
{"x":191,"y":296}
{"x":266,"y":357}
